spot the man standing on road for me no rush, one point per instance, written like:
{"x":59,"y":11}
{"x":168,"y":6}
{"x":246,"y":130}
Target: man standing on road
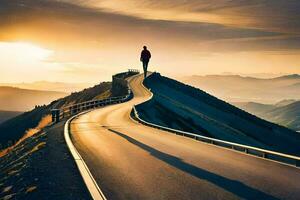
{"x":145,"y":57}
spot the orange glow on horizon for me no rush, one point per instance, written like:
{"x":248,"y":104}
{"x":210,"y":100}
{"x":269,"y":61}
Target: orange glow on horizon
{"x":23,"y":52}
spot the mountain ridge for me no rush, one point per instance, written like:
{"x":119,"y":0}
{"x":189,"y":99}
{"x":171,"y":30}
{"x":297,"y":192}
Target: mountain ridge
{"x":187,"y":108}
{"x":49,"y":86}
{"x":17,"y":99}
{"x":289,"y":76}
{"x":286,"y":112}
{"x":236,"y":88}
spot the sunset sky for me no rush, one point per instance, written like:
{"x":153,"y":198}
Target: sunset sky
{"x":89,"y":40}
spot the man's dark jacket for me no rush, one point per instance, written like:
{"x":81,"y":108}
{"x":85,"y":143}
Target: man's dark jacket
{"x":145,"y":55}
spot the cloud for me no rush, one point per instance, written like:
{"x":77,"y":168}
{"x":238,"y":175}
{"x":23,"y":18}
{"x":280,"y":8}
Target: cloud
{"x":65,"y":25}
{"x":270,"y":15}
{"x":94,"y":35}
{"x":283,"y":43}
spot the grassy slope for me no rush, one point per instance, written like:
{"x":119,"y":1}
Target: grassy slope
{"x":14,"y":129}
{"x":41,"y":167}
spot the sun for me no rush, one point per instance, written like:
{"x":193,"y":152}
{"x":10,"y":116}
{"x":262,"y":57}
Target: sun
{"x":30,"y":51}
{"x":23,"y":61}
{"x":24,"y":52}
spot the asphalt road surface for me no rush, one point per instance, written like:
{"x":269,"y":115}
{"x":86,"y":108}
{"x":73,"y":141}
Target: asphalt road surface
{"x":133,"y":161}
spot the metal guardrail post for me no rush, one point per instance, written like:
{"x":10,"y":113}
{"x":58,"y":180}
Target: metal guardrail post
{"x":55,"y":115}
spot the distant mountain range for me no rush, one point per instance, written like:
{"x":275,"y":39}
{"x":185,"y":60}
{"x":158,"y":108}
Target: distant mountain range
{"x":16,"y":99}
{"x":286,"y":112}
{"x":235,"y":88}
{"x":49,"y":86}
{"x":254,"y":108}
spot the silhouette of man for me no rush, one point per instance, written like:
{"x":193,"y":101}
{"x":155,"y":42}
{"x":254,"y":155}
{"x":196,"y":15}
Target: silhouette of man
{"x":145,"y":57}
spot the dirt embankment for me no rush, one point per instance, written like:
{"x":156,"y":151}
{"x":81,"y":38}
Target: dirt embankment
{"x":41,"y":167}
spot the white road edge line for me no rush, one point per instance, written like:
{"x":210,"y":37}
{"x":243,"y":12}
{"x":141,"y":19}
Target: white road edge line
{"x":87,"y":176}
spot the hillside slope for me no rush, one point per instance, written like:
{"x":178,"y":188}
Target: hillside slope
{"x":16,"y":99}
{"x":41,"y":167}
{"x":6,"y":115}
{"x":254,"y":108}
{"x":183,"y":107}
{"x":288,"y":115}
{"x":13,"y":129}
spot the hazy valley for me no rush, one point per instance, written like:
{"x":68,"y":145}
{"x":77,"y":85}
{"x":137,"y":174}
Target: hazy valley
{"x":286,"y":113}
{"x":17,"y":99}
{"x":49,"y":86}
{"x":235,"y":88}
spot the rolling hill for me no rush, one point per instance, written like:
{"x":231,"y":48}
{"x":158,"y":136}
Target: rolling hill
{"x":186,"y":108}
{"x":16,"y":99}
{"x":285,"y":102}
{"x":286,"y":113}
{"x":235,"y":88}
{"x":255,"y":108}
{"x":49,"y":86}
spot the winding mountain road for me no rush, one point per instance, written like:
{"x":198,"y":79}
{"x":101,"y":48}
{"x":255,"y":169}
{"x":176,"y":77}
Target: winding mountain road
{"x":132,"y":161}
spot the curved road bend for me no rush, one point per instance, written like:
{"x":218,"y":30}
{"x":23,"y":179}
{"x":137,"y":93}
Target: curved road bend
{"x":132,"y":161}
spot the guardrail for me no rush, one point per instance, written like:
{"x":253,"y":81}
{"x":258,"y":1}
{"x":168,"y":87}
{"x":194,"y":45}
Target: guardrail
{"x":59,"y":114}
{"x":263,"y":153}
{"x":133,"y":70}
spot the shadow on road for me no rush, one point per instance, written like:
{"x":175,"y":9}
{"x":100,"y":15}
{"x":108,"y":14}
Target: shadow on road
{"x":237,"y":188}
